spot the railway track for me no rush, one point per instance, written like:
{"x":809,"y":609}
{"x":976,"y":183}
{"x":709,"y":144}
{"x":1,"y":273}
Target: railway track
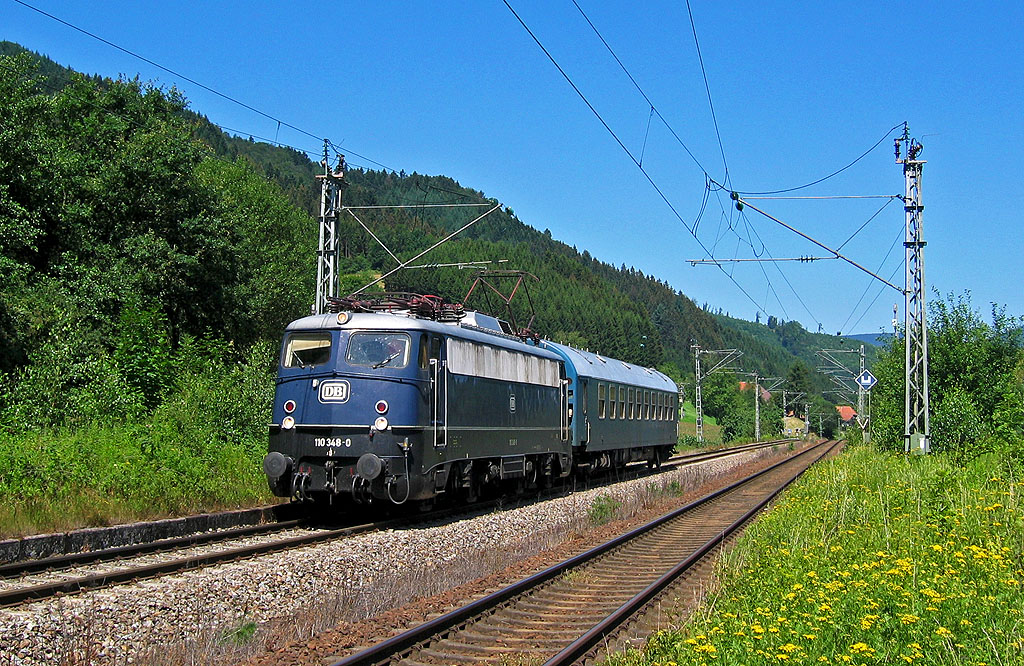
{"x":564,"y":614}
{"x":34,"y":580}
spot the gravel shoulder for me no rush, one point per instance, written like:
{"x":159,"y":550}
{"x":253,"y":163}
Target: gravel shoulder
{"x":317,"y":604}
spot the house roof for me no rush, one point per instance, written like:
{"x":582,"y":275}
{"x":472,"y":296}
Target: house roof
{"x":846,"y":412}
{"x":765,"y":394}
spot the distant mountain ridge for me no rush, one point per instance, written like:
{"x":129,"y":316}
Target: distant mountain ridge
{"x":873,"y":339}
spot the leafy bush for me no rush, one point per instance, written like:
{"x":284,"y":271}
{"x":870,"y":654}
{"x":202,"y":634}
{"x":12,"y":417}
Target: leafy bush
{"x":602,"y":509}
{"x":689,"y":442}
{"x":956,"y":426}
{"x":973,"y":366}
{"x":201,"y":447}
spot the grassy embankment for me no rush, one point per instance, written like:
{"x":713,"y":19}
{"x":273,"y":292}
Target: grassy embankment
{"x":688,"y":426}
{"x":201,"y":449}
{"x":871,"y":559}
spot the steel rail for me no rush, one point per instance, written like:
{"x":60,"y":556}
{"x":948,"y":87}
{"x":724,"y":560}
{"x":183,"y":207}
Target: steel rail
{"x":25,"y":567}
{"x":595,"y":636}
{"x":445,"y":624}
{"x":75,"y":585}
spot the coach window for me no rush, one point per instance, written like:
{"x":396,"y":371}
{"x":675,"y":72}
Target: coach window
{"x":304,"y":350}
{"x":622,"y":402}
{"x":639,"y":400}
{"x":632,"y":401}
{"x":613,"y":397}
{"x":661,"y":406}
{"x":600,"y":401}
{"x":647,"y":404}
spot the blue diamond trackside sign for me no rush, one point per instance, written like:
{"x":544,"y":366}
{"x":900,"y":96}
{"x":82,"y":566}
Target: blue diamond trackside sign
{"x":866,"y":380}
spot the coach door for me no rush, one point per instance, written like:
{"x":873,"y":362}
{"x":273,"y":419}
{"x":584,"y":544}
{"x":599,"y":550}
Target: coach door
{"x":566,"y":400}
{"x":438,"y":392}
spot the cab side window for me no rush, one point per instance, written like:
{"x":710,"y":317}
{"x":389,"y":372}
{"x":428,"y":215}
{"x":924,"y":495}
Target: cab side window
{"x":424,"y":348}
{"x":306,"y":349}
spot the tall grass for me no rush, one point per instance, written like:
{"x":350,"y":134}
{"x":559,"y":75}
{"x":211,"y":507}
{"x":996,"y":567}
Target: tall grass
{"x":871,"y":559}
{"x":199,"y":449}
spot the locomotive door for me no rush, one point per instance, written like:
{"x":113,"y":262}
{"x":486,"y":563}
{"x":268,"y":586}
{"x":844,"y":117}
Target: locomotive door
{"x":438,"y":392}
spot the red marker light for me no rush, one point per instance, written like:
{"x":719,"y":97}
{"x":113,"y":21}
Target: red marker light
{"x":381,"y":406}
{"x":289,"y":406}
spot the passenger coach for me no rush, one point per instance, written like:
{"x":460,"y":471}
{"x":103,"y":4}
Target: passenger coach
{"x":619,"y":412}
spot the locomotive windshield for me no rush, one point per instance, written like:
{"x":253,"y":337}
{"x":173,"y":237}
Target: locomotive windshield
{"x":304,"y":350}
{"x":378,"y":350}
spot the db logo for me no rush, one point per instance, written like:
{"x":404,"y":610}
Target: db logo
{"x":512,"y":403}
{"x":334,"y":391}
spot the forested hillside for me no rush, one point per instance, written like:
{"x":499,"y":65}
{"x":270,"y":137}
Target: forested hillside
{"x":149,"y":262}
{"x":578,"y":297}
{"x":616,"y":310}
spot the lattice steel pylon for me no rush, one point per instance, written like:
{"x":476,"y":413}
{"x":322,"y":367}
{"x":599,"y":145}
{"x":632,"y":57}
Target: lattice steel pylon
{"x":917,"y":431}
{"x":332,"y":185}
{"x":728,"y":355}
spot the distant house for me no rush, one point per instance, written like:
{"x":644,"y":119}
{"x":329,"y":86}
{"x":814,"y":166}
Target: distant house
{"x":765,"y":395}
{"x":846,"y":413}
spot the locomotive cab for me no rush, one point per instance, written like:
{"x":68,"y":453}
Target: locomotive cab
{"x":350,"y":409}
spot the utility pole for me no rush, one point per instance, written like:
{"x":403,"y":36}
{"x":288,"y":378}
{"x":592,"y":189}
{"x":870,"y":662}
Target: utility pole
{"x":697,"y":406}
{"x":332,"y":185}
{"x":727,"y":355}
{"x":757,"y":399}
{"x":863,"y":417}
{"x":916,"y":429}
{"x":757,"y":409}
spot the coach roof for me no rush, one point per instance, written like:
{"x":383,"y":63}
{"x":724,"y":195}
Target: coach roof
{"x":591,"y":365}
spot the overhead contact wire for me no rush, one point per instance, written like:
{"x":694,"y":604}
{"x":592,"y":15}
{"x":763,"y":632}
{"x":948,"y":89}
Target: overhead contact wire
{"x":623,"y":146}
{"x":639,"y":89}
{"x":707,"y":87}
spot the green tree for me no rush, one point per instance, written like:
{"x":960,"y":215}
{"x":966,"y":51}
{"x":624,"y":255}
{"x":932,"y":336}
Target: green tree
{"x":972,"y":369}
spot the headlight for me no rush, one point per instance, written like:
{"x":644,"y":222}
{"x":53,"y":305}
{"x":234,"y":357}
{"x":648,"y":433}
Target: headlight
{"x":381,"y":424}
{"x":288,"y":423}
{"x":343,"y":318}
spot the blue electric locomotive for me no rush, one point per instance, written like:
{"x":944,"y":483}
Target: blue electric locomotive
{"x":397,"y":406}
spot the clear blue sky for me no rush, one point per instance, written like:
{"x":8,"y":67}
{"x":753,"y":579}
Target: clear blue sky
{"x":799,"y":89}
